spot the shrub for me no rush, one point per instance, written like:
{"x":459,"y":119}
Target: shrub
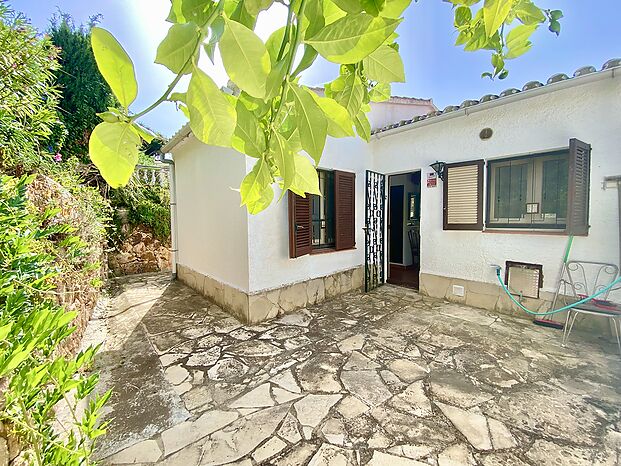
{"x":28,"y":97}
{"x":84,"y":91}
{"x":34,"y":379}
{"x":147,"y":205}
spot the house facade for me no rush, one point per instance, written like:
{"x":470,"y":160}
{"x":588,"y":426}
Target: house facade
{"x":513,"y":176}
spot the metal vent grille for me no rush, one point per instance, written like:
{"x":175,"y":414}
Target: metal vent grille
{"x":524,"y":279}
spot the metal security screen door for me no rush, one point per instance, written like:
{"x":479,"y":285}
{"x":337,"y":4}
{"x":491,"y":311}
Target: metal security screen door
{"x":374,"y":230}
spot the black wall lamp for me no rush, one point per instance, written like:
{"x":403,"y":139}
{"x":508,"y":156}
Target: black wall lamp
{"x":439,"y":167}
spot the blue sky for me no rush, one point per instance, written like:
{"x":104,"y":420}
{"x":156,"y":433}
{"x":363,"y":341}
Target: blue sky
{"x":434,"y":66}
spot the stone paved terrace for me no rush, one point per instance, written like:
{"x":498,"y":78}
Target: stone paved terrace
{"x":385,"y":378}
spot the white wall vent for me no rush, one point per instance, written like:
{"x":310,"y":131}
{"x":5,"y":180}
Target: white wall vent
{"x":458,"y":290}
{"x":524,"y":279}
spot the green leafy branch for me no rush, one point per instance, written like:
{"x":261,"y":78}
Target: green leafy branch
{"x":504,"y":27}
{"x":273,"y":118}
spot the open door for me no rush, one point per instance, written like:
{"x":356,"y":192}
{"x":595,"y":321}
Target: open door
{"x":404,"y":191}
{"x":374,"y":230}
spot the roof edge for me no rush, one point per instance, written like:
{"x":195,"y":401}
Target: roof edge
{"x":531,"y":89}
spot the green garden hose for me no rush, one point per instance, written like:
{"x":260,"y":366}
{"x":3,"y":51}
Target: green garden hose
{"x":555,"y":311}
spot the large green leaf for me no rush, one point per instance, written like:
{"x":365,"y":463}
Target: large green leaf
{"x":339,"y":121}
{"x":331,"y":12}
{"x":283,"y":158}
{"x":463,"y":16}
{"x":183,"y":11}
{"x":313,"y":19}
{"x":245,"y":58}
{"x":349,"y":92}
{"x":113,"y":148}
{"x":363,"y":126}
{"x":311,"y":122}
{"x":115,"y":66}
{"x":255,"y":6}
{"x":517,"y":40}
{"x":528,"y":13}
{"x":273,"y":43}
{"x":176,"y":14}
{"x":384,"y":65}
{"x":248,"y":137}
{"x":380,"y":92}
{"x":350,"y":6}
{"x":495,"y":13}
{"x":212,"y":116}
{"x":175,"y":52}
{"x":373,"y":7}
{"x":276,"y":78}
{"x":256,"y":188}
{"x":353,"y":37}
{"x":306,"y":179}
{"x":395,"y":8}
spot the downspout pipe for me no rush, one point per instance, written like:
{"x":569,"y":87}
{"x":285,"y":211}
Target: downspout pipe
{"x":168,"y":160}
{"x":617,"y":181}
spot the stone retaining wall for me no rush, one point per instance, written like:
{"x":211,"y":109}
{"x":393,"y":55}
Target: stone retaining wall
{"x":264,"y":305}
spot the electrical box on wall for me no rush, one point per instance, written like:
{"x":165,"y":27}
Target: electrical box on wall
{"x":524,"y":279}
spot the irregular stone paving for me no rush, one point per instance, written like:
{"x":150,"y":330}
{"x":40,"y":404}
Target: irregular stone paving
{"x":384,"y":378}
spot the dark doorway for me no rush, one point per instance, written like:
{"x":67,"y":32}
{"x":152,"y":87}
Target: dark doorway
{"x":396,"y":224}
{"x":404,"y":229}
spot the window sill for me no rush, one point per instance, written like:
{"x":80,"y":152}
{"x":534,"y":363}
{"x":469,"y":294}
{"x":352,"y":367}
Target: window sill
{"x":320,"y":251}
{"x":525,"y":231}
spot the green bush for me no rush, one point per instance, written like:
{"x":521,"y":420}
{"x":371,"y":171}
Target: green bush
{"x":34,"y":379}
{"x":147,"y":205}
{"x":84,"y":91}
{"x":28,"y":97}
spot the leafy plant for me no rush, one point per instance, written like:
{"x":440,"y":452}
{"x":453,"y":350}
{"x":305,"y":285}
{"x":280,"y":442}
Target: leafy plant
{"x":147,"y":205}
{"x":275,"y":119}
{"x":28,"y":97}
{"x":84,"y":91}
{"x":35,"y":380}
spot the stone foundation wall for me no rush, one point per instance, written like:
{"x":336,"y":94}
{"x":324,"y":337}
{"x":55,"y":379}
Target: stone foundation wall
{"x":492,"y":297}
{"x":264,"y":305}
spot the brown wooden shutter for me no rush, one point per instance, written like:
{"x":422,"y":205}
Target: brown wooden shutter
{"x":463,"y":196}
{"x":578,"y":188}
{"x":300,"y":225}
{"x":345,"y":209}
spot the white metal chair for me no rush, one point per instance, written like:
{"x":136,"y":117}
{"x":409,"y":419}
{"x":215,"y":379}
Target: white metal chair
{"x":581,"y":279}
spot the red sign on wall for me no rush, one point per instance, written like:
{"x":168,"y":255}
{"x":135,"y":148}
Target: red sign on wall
{"x":432,"y":180}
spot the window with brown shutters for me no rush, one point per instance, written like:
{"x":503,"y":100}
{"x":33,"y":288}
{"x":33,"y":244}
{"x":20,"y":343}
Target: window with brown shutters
{"x":545,"y":190}
{"x":345,"y":208}
{"x":463,"y":196}
{"x":324,"y":222}
{"x":579,"y":186}
{"x":300,"y":225}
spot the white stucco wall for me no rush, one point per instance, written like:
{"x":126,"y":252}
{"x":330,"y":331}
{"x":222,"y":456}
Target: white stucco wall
{"x":268,"y":238}
{"x":590,"y":112}
{"x":212,"y":228}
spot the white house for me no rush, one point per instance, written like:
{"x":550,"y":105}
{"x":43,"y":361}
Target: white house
{"x":521,"y":171}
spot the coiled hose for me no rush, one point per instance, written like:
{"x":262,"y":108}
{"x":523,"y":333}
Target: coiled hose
{"x":555,"y":311}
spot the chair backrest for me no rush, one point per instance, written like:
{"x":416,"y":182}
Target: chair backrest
{"x":585,"y":278}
